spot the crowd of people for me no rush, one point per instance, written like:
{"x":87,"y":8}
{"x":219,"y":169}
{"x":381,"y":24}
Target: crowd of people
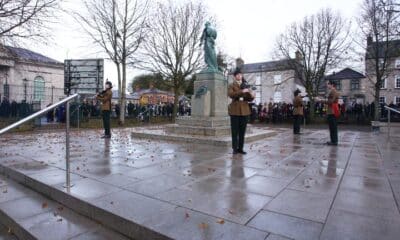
{"x":263,"y":113}
{"x":13,"y":109}
{"x":283,"y":112}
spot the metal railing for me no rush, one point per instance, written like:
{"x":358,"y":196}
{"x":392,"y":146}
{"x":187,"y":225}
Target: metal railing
{"x":67,"y":126}
{"x":389,"y":111}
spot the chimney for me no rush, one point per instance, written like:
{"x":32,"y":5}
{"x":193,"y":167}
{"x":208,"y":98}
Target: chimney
{"x":369,"y":40}
{"x":239,"y":62}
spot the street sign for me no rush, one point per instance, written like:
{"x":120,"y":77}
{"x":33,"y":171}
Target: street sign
{"x":84,"y":76}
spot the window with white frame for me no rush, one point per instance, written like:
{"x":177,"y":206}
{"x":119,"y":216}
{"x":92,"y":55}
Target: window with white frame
{"x":258,"y":80}
{"x":397,"y":81}
{"x":396,"y":100}
{"x":277,"y":79}
{"x":355,"y":84}
{"x":382,"y":99}
{"x":383,"y":83}
{"x":277,"y":96}
{"x":397,"y":63}
{"x":38,"y":89}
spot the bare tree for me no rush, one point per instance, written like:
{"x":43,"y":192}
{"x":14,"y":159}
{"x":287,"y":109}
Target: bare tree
{"x":22,"y":19}
{"x":173,"y":48}
{"x":119,"y":27}
{"x":320,"y":43}
{"x":379,"y":25}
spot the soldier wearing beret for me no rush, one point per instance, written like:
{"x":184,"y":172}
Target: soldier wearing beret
{"x":239,"y":110}
{"x":105,"y":99}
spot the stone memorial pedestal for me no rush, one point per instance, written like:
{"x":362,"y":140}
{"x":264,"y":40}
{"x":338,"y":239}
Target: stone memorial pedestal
{"x":209,"y":122}
{"x":209,"y":108}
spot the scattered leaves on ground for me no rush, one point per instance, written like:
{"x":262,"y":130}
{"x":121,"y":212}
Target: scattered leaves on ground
{"x":203,"y":225}
{"x":221,"y":221}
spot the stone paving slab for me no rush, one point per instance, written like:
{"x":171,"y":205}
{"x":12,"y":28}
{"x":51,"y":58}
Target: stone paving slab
{"x":160,"y":133}
{"x":286,"y":187}
{"x":32,"y":216}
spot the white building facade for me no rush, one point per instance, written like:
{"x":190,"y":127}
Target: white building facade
{"x":29,"y":76}
{"x":275,"y":81}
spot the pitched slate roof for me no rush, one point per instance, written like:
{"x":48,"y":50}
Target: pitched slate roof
{"x":394,"y":49}
{"x":346,"y":73}
{"x":267,"y":66}
{"x":25,"y":54}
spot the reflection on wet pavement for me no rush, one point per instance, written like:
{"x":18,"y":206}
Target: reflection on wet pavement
{"x":283,"y":181}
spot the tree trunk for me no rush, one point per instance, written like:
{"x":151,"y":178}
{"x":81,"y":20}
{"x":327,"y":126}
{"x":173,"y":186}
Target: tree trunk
{"x":119,"y":84}
{"x":311,"y":114}
{"x":377,"y":104}
{"x":122,"y":95}
{"x":176,"y":101}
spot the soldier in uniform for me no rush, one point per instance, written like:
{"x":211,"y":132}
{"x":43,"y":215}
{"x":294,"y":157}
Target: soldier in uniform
{"x":333,"y":97}
{"x":105,"y":99}
{"x":297,"y":111}
{"x":239,"y":110}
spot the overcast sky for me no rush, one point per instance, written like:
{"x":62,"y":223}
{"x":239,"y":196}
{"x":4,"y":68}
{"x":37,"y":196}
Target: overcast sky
{"x":245,"y":28}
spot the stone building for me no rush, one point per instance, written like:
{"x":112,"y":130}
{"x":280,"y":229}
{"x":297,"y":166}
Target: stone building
{"x":30,"y":76}
{"x":390,"y":87}
{"x":352,"y":85}
{"x":275,"y":81}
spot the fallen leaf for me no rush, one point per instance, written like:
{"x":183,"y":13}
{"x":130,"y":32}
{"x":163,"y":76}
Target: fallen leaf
{"x":60,"y":208}
{"x":203,"y":225}
{"x":221,"y":221}
{"x":187,"y":215}
{"x":44,"y":205}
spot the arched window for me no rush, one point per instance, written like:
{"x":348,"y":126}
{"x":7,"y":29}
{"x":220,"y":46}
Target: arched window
{"x":38,"y":89}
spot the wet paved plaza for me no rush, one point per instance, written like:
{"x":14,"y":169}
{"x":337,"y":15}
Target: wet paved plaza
{"x":286,"y":187}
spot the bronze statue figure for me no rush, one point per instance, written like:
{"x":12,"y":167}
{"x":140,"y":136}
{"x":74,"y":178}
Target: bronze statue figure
{"x":208,"y":38}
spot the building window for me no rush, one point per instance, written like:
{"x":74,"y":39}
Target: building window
{"x":38,"y":89}
{"x":258,"y":80}
{"x":382,"y":100}
{"x":396,"y":100}
{"x":355,"y":84}
{"x":383,"y":83}
{"x":397,"y":81}
{"x":338,"y":84}
{"x":277,"y":79}
{"x":277,"y":96}
{"x":397,"y":64}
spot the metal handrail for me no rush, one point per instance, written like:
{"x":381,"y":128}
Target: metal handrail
{"x":390,"y":110}
{"x":67,"y":124}
{"x":37,"y":114}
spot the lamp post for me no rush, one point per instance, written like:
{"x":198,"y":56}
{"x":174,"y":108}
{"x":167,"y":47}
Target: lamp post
{"x":25,"y":88}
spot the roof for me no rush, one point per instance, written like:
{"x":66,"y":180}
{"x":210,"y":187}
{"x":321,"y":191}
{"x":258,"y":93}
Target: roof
{"x":153,"y":91}
{"x":137,"y":94}
{"x":25,"y":54}
{"x":116,"y":95}
{"x":394,"y":49}
{"x":346,"y":73}
{"x":267,"y":66}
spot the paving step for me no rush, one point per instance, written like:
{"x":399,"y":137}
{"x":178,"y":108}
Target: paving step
{"x":131,"y":214}
{"x":6,"y":234}
{"x":29,"y":215}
